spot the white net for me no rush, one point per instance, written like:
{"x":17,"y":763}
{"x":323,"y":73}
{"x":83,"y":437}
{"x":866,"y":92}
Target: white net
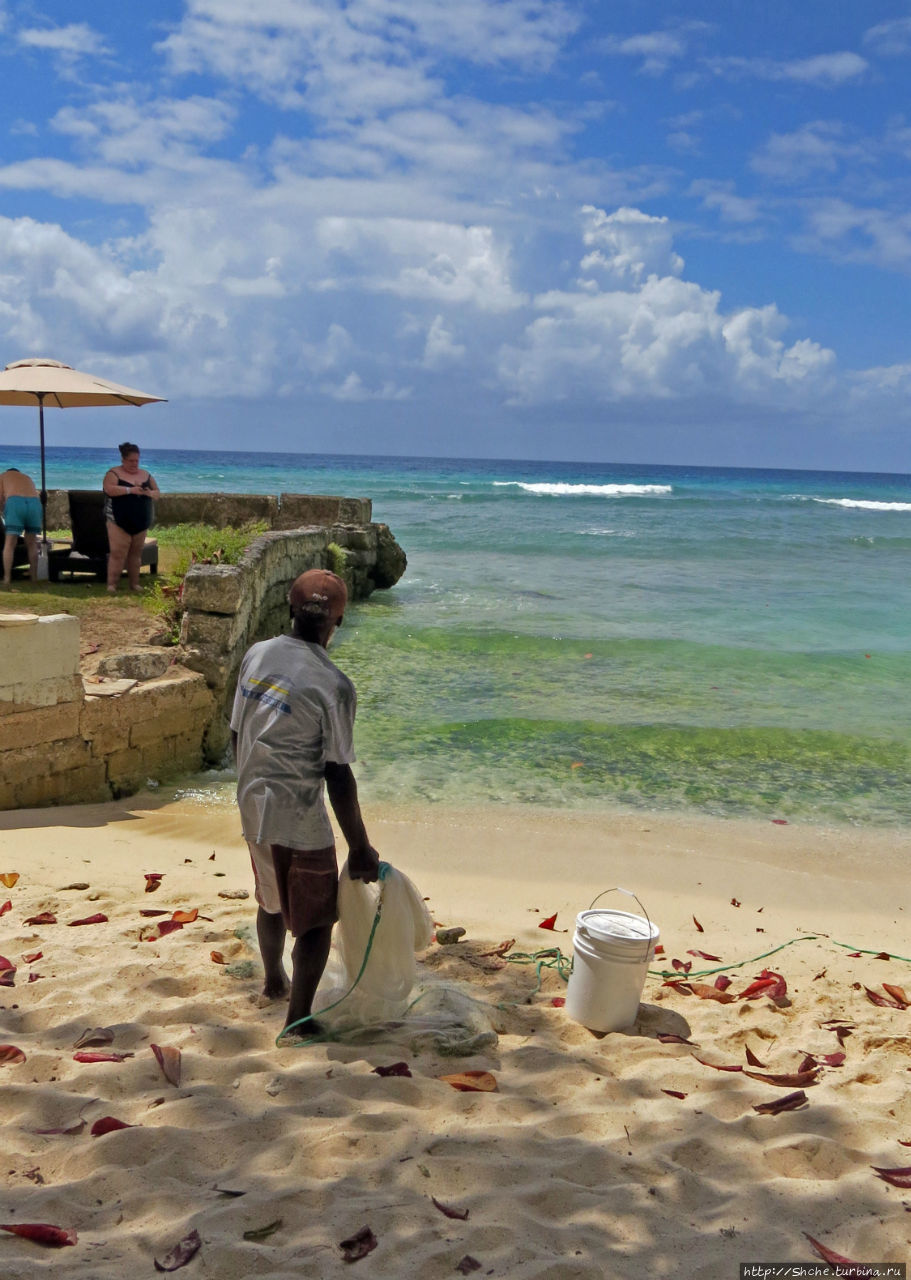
{"x":387,"y":997}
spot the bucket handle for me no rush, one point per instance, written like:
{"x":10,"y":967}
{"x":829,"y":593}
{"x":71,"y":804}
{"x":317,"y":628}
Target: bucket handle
{"x":629,"y":893}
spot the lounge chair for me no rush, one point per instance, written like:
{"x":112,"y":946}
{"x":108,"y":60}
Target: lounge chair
{"x":89,"y":552}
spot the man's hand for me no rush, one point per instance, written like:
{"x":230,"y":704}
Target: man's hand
{"x":364,"y":864}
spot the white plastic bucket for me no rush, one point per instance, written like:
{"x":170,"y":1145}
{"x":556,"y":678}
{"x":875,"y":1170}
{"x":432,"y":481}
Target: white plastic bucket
{"x":612,"y":951}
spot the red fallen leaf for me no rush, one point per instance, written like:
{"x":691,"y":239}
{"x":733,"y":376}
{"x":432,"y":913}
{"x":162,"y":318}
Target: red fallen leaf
{"x":558,"y":1002}
{"x":683,"y":987}
{"x":822,"y":973}
{"x":829,"y":1255}
{"x":9,"y":878}
{"x":703,"y":955}
{"x":659,"y":949}
{"x":671,"y":1037}
{"x":46,"y":917}
{"x":897,"y":1177}
{"x":98,"y":918}
{"x":71,"y":1129}
{"x":185,"y":917}
{"x":902,"y":1143}
{"x":41,"y":1233}
{"x":682,"y":966}
{"x":396,"y":1069}
{"x":113,"y":1056}
{"x":168,"y":926}
{"x":153,"y":911}
{"x":790,"y":1102}
{"x":882,"y":955}
{"x":716,"y":1067}
{"x":780,"y":822}
{"x":107,"y":1124}
{"x":705,"y":992}
{"x":549,"y":923}
{"x":769,"y":983}
{"x":752,"y":1059}
{"x":31,"y":956}
{"x":358,"y":1245}
{"x":471,"y":1081}
{"x":792,"y":1080}
{"x":153,"y":880}
{"x":7,"y":972}
{"x":169,"y":1061}
{"x":211,"y":857}
{"x":722,"y":982}
{"x":855,"y":955}
{"x":460,"y":1214}
{"x":674,"y":1093}
{"x":34,"y":977}
{"x":897,"y":993}
{"x":10,"y":1055}
{"x":734,"y":902}
{"x":833,"y":1059}
{"x":181,"y":1254}
{"x":698,"y":925}
{"x":7,"y":906}
{"x":875,"y":998}
{"x":808,"y":1063}
{"x":217,"y":957}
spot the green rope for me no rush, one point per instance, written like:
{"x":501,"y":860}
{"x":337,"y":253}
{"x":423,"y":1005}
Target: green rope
{"x":553,"y":958}
{"x":384,"y":869}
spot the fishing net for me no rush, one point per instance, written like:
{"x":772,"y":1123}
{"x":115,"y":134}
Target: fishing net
{"x":373,"y":988}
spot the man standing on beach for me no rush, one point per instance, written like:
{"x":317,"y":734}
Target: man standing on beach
{"x":292,"y":730}
{"x":21,"y":508}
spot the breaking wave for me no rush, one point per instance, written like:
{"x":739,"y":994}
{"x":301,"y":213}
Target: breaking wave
{"x":586,"y":490}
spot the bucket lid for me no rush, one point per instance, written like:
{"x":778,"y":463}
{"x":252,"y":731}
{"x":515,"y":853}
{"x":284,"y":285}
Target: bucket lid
{"x":617,"y":926}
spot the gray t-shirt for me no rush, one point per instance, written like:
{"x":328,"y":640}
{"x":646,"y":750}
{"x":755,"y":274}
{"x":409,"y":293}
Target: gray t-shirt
{"x":293,"y":713}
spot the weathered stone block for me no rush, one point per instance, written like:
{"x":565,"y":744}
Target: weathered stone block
{"x":170,"y":723}
{"x":353,"y":539}
{"x":40,"y":724}
{"x":43,"y":760}
{"x":147,"y":663}
{"x":222,"y":510}
{"x":214,"y":588}
{"x":33,"y":658}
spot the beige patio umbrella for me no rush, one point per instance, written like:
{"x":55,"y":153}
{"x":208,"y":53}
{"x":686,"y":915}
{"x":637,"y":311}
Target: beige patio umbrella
{"x":48,"y":382}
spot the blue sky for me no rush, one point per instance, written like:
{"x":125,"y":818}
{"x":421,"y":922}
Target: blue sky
{"x":636,"y":230}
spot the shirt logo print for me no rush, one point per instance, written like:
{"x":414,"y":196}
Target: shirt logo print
{"x":268,"y":693}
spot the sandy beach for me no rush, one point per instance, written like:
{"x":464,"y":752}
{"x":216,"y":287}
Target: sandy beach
{"x":619,"y":1155}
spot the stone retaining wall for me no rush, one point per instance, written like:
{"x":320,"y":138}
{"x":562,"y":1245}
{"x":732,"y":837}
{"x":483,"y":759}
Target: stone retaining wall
{"x":62,"y":743}
{"x":59,"y":744}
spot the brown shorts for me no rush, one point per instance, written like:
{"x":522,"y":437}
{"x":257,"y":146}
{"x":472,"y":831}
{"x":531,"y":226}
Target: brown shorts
{"x":307,"y":887}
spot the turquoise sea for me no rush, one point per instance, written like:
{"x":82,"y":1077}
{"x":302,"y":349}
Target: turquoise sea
{"x":570,"y":634}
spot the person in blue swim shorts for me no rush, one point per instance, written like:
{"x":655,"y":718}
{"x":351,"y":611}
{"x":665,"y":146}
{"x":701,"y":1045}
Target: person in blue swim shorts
{"x":21,"y":509}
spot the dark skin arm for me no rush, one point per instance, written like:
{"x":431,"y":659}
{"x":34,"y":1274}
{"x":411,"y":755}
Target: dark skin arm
{"x":363,"y":859}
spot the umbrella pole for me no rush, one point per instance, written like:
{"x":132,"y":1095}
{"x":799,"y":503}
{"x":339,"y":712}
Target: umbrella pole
{"x":40,"y":395}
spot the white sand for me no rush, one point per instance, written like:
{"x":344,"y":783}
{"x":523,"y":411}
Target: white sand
{"x":580,"y":1165}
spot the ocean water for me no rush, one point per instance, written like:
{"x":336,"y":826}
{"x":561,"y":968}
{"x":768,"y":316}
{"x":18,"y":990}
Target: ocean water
{"x":580,"y":635}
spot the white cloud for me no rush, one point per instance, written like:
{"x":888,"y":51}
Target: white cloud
{"x":890,"y":39}
{"x":652,"y":336}
{"x":657,"y":49}
{"x":76,"y":40}
{"x":415,"y":259}
{"x":722,"y":197}
{"x":440,"y":347}
{"x":353,"y":389}
{"x":853,"y":233}
{"x":825,"y":70}
{"x":628,"y":245}
{"x":820,"y":146}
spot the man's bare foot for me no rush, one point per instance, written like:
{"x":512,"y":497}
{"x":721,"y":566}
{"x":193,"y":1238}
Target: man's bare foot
{"x":276,"y":988}
{"x":301,"y":1032}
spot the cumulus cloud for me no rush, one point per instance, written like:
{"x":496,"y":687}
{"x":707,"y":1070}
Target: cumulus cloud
{"x":353,"y":390}
{"x":413,"y":259}
{"x":657,"y":49}
{"x":440,"y":347}
{"x":646,"y":335}
{"x":854,"y":233}
{"x":820,"y":146}
{"x":721,"y":196}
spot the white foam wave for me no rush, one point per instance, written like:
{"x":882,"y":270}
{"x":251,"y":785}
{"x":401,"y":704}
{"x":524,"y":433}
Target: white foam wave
{"x":864,"y":504}
{"x":588,"y":490}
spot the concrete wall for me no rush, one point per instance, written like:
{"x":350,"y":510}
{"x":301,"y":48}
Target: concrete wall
{"x":230,"y":510}
{"x":62,"y":745}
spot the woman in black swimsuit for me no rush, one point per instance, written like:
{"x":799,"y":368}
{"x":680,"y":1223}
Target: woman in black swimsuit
{"x":129,"y":492}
